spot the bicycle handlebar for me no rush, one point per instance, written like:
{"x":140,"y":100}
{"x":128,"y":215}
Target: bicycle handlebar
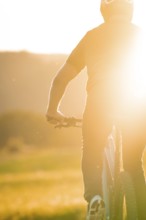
{"x":67,"y":122}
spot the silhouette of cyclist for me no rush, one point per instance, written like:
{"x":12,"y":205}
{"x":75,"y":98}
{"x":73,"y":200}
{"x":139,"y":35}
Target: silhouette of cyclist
{"x":109,"y":52}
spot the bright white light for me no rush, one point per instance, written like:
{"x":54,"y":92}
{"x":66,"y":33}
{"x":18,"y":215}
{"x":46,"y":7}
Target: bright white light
{"x":51,"y":26}
{"x":139,"y":68}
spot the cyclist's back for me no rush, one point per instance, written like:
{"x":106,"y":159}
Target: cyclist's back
{"x":108,"y":59}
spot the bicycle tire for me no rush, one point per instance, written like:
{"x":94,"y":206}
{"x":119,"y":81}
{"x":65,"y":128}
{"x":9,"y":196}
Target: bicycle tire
{"x":108,"y":189}
{"x":125,"y":193}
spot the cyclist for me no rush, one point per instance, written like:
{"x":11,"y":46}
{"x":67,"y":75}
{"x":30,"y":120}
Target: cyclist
{"x":107,"y":51}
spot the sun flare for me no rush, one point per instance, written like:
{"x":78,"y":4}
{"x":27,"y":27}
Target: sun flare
{"x":138,"y":79}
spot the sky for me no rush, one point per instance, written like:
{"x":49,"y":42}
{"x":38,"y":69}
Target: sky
{"x":51,"y":26}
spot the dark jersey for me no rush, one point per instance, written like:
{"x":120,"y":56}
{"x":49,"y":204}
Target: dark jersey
{"x":106,"y":51}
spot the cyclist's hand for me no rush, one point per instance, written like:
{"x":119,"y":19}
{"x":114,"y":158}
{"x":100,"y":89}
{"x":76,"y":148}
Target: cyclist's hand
{"x":55,"y":117}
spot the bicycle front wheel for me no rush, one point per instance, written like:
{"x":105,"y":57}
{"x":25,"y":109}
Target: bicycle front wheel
{"x":125,"y":199}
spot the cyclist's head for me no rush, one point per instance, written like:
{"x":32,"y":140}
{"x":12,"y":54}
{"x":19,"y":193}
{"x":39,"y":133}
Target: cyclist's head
{"x":111,"y":8}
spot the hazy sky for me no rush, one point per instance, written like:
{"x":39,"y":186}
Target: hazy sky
{"x":51,"y":26}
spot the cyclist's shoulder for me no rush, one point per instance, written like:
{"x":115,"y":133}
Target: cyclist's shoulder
{"x":95,"y":30}
{"x":139,"y":32}
{"x":136,"y":27}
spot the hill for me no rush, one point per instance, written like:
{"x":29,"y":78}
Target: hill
{"x":25,"y":82}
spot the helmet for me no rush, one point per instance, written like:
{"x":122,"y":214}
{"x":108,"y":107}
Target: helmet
{"x":111,"y":8}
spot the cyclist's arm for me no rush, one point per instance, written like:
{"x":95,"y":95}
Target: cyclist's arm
{"x":74,"y":64}
{"x":63,"y":77}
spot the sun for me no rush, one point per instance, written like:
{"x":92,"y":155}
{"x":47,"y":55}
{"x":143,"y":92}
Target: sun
{"x":137,"y":80}
{"x":139,"y":16}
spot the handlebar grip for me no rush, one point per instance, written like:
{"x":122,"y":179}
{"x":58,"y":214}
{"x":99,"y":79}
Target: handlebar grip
{"x":69,"y":122}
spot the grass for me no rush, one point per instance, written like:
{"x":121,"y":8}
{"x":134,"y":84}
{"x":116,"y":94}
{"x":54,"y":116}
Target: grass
{"x":42,"y":184}
{"x":39,"y":185}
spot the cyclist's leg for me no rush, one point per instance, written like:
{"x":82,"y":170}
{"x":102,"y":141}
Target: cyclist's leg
{"x":91,"y":164}
{"x":133,"y":148}
{"x":96,"y":127}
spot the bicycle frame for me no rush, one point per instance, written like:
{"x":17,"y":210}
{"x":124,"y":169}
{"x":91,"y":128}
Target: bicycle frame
{"x":108,"y":175}
{"x":115,"y":179}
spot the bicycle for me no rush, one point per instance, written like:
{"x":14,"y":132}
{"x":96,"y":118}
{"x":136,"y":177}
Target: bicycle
{"x":118,"y":189}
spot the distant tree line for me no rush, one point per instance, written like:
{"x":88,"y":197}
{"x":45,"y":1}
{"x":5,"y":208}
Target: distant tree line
{"x":33,"y":129}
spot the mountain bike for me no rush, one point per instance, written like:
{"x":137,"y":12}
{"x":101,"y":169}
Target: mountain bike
{"x":118,"y":190}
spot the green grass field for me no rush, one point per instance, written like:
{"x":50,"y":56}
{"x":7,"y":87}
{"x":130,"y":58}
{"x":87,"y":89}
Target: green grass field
{"x":41,"y":184}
